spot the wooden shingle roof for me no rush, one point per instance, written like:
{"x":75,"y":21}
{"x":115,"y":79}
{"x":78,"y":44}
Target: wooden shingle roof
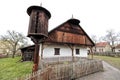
{"x":70,"y":32}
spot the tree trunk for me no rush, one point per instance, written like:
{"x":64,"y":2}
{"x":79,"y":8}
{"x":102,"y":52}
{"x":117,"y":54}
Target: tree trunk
{"x":13,"y":55}
{"x":14,"y":50}
{"x":112,"y":46}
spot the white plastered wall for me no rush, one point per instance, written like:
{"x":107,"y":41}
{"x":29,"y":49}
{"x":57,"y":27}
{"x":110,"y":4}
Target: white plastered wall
{"x":65,"y":50}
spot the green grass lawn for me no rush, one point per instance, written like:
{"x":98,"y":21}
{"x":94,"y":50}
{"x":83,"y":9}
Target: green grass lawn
{"x":114,"y":61}
{"x":11,"y":68}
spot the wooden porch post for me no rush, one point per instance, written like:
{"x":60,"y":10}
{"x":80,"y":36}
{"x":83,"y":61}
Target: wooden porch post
{"x":72,"y":48}
{"x":91,"y":52}
{"x":41,"y":50}
{"x":72,"y":54}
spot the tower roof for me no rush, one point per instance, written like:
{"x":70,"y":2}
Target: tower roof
{"x":74,"y":21}
{"x":29,"y":10}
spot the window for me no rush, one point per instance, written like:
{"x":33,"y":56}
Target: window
{"x":57,"y":51}
{"x":77,"y":51}
{"x":100,"y":50}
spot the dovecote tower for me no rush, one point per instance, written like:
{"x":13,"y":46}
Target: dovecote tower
{"x":38,"y":29}
{"x":38,"y":25}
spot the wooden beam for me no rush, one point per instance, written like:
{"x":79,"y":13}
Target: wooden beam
{"x":72,"y":48}
{"x":74,"y":32}
{"x":36,"y":58}
{"x":91,"y":52}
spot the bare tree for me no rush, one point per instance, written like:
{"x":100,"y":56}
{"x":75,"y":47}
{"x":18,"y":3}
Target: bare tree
{"x":118,"y":38}
{"x":111,"y":37}
{"x":94,"y":39}
{"x":15,"y":41}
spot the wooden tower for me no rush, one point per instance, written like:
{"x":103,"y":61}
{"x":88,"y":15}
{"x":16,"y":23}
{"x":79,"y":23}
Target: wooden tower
{"x":38,"y":25}
{"x":38,"y":28}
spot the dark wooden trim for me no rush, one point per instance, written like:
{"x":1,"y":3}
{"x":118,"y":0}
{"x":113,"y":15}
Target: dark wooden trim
{"x":93,"y":44}
{"x":70,"y":32}
{"x":51,"y":42}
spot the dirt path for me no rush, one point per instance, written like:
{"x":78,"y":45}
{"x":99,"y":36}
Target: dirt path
{"x":109,"y":73}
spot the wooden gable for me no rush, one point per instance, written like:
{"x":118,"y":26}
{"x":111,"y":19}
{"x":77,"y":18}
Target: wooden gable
{"x":69,"y":33}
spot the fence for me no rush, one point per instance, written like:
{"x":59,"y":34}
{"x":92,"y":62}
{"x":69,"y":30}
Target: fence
{"x":60,"y":59}
{"x":112,"y":54}
{"x":66,"y":71}
{"x":39,"y":75}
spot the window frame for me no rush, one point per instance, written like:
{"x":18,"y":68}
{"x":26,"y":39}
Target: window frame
{"x":77,"y":51}
{"x":56,"y":51}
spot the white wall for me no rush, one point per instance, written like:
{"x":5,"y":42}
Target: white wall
{"x":82,"y":51}
{"x":107,"y":48}
{"x":117,"y":50}
{"x":48,"y":51}
{"x":98,"y":49}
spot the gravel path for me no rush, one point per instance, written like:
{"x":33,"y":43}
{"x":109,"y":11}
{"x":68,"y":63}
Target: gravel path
{"x":109,"y":73}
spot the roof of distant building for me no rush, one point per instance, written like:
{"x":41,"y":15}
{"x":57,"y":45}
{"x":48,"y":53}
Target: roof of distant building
{"x":118,"y":46}
{"x":102,"y":44}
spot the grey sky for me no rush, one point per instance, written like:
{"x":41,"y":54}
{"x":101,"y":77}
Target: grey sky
{"x":96,"y":16}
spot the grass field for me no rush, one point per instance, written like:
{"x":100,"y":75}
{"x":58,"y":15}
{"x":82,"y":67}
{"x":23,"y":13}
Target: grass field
{"x":11,"y":68}
{"x":114,"y":61}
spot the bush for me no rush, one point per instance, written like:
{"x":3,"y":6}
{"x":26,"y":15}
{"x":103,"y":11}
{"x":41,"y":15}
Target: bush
{"x":3,"y":56}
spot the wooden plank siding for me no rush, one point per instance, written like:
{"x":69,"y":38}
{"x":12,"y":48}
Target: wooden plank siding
{"x":88,"y":42}
{"x":69,"y":33}
{"x":70,"y":38}
{"x":38,"y":24}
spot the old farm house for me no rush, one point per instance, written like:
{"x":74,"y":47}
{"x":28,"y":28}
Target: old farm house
{"x":57,"y":53}
{"x":66,"y":40}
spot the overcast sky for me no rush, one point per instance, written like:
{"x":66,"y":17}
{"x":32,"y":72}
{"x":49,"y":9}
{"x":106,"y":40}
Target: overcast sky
{"x":96,"y":16}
